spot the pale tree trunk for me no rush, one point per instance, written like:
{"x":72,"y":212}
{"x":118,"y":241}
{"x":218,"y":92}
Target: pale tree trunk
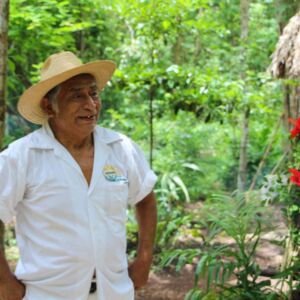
{"x":151,"y":112}
{"x":177,"y":49}
{"x":291,"y":104}
{"x":197,"y":42}
{"x":178,"y":44}
{"x":286,"y":106}
{"x":4,"y":7}
{"x":81,"y":41}
{"x":242,"y":171}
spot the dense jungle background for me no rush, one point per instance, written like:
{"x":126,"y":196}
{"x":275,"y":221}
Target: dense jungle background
{"x":197,"y":88}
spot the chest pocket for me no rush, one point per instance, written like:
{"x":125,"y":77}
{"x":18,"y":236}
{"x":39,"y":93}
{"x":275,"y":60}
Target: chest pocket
{"x":113,"y":198}
{"x":116,"y":195}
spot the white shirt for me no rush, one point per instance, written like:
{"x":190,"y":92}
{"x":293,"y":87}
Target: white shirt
{"x":65,"y":228}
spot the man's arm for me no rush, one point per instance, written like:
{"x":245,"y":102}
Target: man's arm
{"x":146,"y":214}
{"x":10,"y":287}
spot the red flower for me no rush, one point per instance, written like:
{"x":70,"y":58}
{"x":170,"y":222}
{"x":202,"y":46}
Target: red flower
{"x":296,"y":130}
{"x":295,"y":178}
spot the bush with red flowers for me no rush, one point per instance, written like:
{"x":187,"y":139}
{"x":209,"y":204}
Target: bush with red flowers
{"x":295,"y":178}
{"x":285,"y":189}
{"x":292,"y":208}
{"x":296,"y":130}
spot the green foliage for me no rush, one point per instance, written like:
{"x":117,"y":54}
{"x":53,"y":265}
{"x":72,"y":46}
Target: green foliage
{"x":242,"y":221}
{"x":11,"y":249}
{"x":186,"y":56}
{"x":171,"y":219}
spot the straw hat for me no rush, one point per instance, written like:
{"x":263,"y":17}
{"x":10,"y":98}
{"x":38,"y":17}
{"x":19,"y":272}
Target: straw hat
{"x":56,"y":69}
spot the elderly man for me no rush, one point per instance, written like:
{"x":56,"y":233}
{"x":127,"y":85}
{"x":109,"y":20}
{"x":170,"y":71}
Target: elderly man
{"x":68,"y":185}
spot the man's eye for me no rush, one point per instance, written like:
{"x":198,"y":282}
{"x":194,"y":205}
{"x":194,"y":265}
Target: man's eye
{"x":95,"y":97}
{"x":77,"y":96}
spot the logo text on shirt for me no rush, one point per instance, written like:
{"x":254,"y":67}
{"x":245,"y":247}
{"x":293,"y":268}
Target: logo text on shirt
{"x":113,"y":174}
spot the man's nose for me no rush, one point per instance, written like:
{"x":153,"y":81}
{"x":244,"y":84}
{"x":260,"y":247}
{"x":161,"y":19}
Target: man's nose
{"x":90,"y":102}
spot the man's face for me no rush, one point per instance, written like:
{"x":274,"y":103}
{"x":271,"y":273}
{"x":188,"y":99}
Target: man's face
{"x":78,"y":106}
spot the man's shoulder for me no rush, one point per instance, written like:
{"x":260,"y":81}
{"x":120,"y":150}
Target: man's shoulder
{"x":123,"y":145}
{"x":26,"y":142}
{"x":110,"y":136}
{"x":16,"y":149}
{"x":21,"y":142}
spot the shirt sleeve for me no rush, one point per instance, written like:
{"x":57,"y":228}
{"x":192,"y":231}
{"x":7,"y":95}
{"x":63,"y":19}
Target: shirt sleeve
{"x":11,"y":186}
{"x":141,"y":178}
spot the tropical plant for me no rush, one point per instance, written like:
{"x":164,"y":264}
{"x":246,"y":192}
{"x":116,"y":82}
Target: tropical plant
{"x":243,"y":222}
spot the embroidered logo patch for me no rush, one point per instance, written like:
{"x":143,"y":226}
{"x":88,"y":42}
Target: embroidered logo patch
{"x":113,"y":174}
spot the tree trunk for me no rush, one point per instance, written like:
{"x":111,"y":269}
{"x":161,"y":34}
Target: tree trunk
{"x":242,"y":171}
{"x":286,"y":106}
{"x":151,"y":113}
{"x":4,"y":7}
{"x":178,"y":44}
{"x":197,"y":51}
{"x":294,"y":103}
{"x":151,"y":99}
{"x":244,"y":7}
{"x":177,"y":49}
{"x":81,"y":41}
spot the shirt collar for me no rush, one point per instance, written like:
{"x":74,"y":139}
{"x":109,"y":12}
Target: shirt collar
{"x":44,"y":138}
{"x":107,"y":136}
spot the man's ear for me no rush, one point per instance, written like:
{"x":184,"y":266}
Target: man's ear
{"x":46,"y":106}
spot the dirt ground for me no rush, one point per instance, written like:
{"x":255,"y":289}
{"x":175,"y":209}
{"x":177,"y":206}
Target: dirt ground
{"x":167,"y":285}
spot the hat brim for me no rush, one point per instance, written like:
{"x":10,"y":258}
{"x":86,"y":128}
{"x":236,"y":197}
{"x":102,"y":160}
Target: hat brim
{"x":29,"y":103}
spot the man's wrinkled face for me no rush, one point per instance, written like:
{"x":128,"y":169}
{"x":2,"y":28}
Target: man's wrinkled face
{"x":77,"y":105}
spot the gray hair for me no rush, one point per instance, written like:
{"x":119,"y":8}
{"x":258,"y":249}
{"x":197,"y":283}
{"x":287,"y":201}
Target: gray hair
{"x":52,"y":96}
